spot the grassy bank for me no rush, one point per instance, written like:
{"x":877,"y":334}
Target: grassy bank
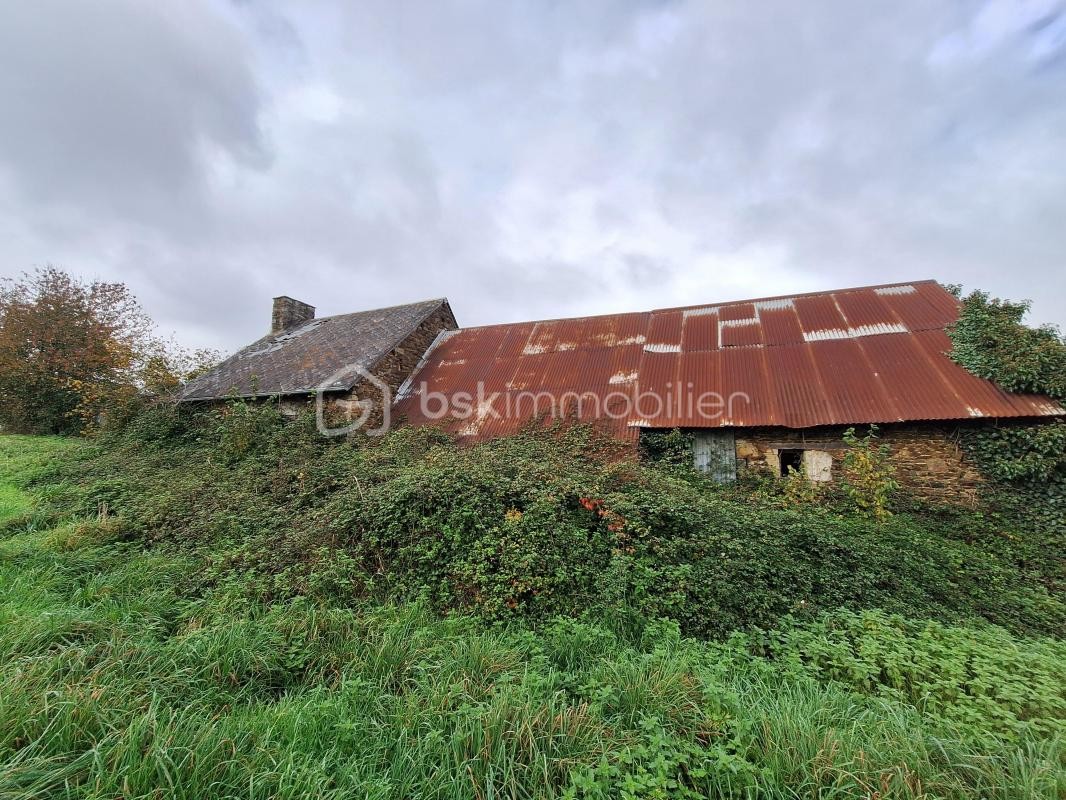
{"x":145,"y":652}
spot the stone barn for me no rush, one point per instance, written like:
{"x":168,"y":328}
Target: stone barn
{"x":771,"y":382}
{"x":303,"y":355}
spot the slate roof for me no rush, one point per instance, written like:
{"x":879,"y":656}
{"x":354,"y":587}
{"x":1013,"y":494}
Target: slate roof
{"x":869,"y":354}
{"x":299,"y":360}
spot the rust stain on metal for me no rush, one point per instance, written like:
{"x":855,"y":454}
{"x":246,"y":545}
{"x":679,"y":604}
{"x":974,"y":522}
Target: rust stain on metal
{"x":870,"y":354}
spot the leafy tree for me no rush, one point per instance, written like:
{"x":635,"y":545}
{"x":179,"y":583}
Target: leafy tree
{"x":73,"y":352}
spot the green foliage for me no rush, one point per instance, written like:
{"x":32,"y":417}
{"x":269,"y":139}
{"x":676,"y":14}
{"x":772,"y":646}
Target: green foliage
{"x":869,"y":475}
{"x":671,"y":449}
{"x":662,"y":764}
{"x":246,"y":429}
{"x":1029,"y":455}
{"x":1026,"y":462}
{"x":156,"y":671}
{"x":799,"y":490}
{"x":524,"y":528}
{"x":979,"y":677}
{"x":991,"y":341}
{"x":1027,"y":466}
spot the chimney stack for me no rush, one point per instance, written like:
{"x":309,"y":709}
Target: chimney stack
{"x":289,"y":313}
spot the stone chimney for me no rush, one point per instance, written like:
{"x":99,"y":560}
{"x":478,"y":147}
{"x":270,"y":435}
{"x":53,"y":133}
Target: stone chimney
{"x":289,"y":313}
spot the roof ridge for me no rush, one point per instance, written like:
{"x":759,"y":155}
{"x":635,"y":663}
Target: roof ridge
{"x":435,"y":300}
{"x":821,"y":293}
{"x":794,"y":296}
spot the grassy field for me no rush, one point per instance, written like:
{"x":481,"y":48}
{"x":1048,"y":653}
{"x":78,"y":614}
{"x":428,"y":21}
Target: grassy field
{"x":20,"y":457}
{"x":125,"y":676}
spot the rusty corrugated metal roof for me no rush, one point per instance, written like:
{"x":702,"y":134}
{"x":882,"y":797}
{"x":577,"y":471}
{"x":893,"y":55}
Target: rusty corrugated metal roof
{"x":863,"y":355}
{"x":300,"y":360}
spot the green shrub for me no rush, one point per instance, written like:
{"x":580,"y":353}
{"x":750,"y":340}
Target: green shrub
{"x":978,"y":677}
{"x":671,"y":449}
{"x":869,"y":474}
{"x":529,"y":527}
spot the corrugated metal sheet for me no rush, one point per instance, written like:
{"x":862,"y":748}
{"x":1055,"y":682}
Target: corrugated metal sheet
{"x":872,"y":354}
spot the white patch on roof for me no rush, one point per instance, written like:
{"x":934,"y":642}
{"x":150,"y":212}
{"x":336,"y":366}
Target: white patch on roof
{"x":905,"y":288}
{"x":485,"y":408}
{"x":279,"y":341}
{"x":534,"y":349}
{"x":974,"y":412}
{"x":879,"y":328}
{"x":827,"y":333}
{"x":854,"y":333}
{"x":662,"y":348}
{"x":699,"y":312}
{"x":623,"y":377}
{"x":774,"y":305}
{"x":736,"y":323}
{"x":639,"y":423}
{"x":469,"y":429}
{"x":639,"y":339}
{"x":1050,"y":409}
{"x":562,"y":347}
{"x":456,"y":363}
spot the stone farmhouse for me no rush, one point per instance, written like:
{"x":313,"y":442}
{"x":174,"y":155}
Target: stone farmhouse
{"x":771,"y":382}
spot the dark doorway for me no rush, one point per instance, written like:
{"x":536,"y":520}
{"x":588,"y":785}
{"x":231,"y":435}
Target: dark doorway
{"x":790,"y":459}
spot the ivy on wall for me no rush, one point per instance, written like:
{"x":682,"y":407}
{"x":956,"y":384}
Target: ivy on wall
{"x":991,"y":341}
{"x":1026,"y":455}
{"x":1027,"y":460}
{"x":672,"y":448}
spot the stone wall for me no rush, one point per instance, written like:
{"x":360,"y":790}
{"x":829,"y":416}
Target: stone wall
{"x":395,"y":367}
{"x":929,"y":461}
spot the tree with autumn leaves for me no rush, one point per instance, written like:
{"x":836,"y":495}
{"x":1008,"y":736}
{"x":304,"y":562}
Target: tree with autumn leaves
{"x":74,"y":353}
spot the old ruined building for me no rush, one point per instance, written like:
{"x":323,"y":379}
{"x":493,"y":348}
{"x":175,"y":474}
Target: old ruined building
{"x":769,"y":383}
{"x":304,"y":355}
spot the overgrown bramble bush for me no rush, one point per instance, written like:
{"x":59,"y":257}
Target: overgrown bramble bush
{"x":798,"y":490}
{"x":529,"y":527}
{"x":672,"y":449}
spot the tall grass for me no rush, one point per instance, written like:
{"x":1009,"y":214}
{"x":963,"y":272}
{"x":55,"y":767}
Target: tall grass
{"x":122,"y":677}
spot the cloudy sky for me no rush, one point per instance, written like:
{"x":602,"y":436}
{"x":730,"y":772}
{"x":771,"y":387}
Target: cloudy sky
{"x":530,"y":159}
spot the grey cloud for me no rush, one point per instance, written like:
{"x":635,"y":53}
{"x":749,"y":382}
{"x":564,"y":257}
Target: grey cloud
{"x":113,"y":105}
{"x":534,"y":159}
